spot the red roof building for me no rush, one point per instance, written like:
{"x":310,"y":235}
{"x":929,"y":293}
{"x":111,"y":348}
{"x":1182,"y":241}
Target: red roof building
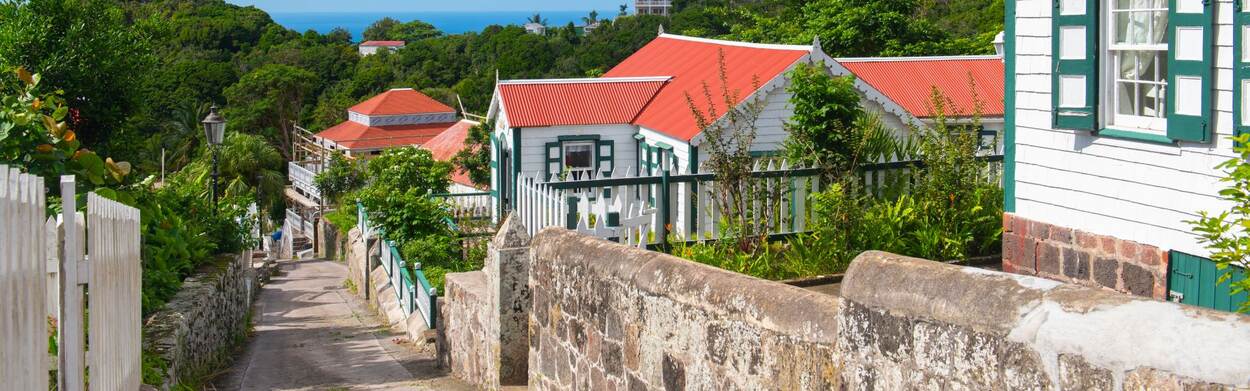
{"x":371,"y":47}
{"x":383,"y":43}
{"x":908,"y":83}
{"x":537,"y":103}
{"x":447,"y":144}
{"x":396,"y":118}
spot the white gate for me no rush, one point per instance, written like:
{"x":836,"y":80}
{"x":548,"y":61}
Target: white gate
{"x":43,"y":271}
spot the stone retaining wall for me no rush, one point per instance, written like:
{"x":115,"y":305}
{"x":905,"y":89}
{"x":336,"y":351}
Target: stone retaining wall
{"x":605,"y":316}
{"x":1065,"y":254}
{"x":196,"y":330}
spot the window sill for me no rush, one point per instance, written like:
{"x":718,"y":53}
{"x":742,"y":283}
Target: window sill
{"x":1136,"y":136}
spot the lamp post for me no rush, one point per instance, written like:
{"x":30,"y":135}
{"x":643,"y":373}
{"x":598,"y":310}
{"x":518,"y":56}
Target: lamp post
{"x":214,"y":129}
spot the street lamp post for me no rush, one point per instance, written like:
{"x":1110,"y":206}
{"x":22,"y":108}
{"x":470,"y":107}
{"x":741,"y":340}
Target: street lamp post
{"x":214,"y":129}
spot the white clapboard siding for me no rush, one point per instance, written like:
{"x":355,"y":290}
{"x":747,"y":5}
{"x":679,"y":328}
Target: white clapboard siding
{"x":114,"y":283}
{"x":1128,"y":189}
{"x":23,"y":278}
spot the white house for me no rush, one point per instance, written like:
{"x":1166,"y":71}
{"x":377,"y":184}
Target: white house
{"x":636,"y":116}
{"x":900,"y":89}
{"x":371,"y":47}
{"x":536,"y":28}
{"x":1117,"y":114}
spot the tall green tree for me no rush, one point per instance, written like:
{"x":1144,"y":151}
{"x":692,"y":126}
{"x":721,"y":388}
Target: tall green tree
{"x":391,"y":29}
{"x":85,"y":48}
{"x":269,"y":101}
{"x":474,"y":159}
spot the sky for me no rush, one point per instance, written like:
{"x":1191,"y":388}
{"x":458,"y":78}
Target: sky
{"x":427,"y":5}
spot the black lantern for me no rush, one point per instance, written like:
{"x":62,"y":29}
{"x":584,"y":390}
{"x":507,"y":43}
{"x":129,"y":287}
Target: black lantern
{"x":214,"y":130}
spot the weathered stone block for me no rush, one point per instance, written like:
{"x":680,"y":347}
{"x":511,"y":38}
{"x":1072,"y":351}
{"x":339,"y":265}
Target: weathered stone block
{"x":1076,"y":374}
{"x":1048,"y":259}
{"x":1076,"y":264}
{"x":1061,"y":234}
{"x":1106,"y":272}
{"x":1138,"y":280}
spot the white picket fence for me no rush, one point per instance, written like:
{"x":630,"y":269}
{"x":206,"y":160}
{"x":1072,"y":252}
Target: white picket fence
{"x":644,"y":210}
{"x":45,"y":264}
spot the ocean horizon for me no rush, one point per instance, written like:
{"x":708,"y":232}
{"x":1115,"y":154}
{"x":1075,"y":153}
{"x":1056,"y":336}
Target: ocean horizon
{"x":449,"y":22}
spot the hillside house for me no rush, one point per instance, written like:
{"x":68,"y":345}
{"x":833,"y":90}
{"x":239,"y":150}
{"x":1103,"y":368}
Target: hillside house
{"x":653,"y":7}
{"x":900,"y":90}
{"x":372,"y":47}
{"x":636,"y":116}
{"x":397,"y":118}
{"x":1119,"y":112}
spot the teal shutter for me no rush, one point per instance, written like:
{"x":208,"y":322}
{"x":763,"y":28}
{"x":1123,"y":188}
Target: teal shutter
{"x":1074,"y":83}
{"x":554,"y":163}
{"x":1190,"y":25}
{"x":1196,"y":281}
{"x":606,"y":152}
{"x":1241,"y":68}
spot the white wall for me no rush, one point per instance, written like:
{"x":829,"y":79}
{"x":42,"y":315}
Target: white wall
{"x":1128,"y":189}
{"x":534,"y":141}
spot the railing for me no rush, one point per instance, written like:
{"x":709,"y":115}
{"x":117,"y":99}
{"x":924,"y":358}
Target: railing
{"x":476,"y":205}
{"x":295,"y":220}
{"x":645,"y":210}
{"x":304,"y":179}
{"x":653,"y":3}
{"x":412,"y":288}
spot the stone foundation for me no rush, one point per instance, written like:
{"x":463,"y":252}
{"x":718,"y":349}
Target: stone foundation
{"x":1069,"y":255}
{"x":196,"y":330}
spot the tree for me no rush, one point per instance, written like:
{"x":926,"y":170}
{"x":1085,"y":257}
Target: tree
{"x":624,"y":10}
{"x":35,"y":135}
{"x":340,"y":177}
{"x":248,"y":166}
{"x":592,"y":18}
{"x":1225,"y":233}
{"x":537,"y":18}
{"x":84,"y":48}
{"x":397,"y":196}
{"x":474,"y":159}
{"x":829,"y":128}
{"x":390,"y":29}
{"x":268,"y":101}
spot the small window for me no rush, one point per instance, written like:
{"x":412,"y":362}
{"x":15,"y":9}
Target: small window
{"x":579,"y":155}
{"x":1137,"y":43}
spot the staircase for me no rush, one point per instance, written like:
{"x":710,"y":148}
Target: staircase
{"x":301,"y":246}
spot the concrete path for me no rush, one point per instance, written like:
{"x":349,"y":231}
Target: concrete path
{"x":311,"y":334}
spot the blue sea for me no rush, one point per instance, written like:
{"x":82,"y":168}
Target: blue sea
{"x":447,"y":22}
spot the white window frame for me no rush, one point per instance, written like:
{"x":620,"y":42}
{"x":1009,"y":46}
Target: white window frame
{"x":1109,"y":70}
{"x":564,"y":154}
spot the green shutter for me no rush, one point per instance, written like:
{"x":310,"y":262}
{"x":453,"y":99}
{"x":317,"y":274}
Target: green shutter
{"x":1196,"y":281}
{"x":1075,"y":55}
{"x":1241,"y":68}
{"x":605,"y":151}
{"x":554,"y":163}
{"x":1189,"y":69}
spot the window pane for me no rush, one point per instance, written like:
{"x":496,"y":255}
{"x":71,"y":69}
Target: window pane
{"x":1121,"y":27}
{"x":1128,"y":65}
{"x":1160,"y":27}
{"x":1124,"y":97}
{"x":577,"y":156}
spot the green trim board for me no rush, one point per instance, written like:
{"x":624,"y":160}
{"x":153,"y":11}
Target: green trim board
{"x":1136,"y":136}
{"x":1241,"y":67}
{"x":1009,"y":112}
{"x":580,"y":137}
{"x":516,"y":160}
{"x":1195,"y":281}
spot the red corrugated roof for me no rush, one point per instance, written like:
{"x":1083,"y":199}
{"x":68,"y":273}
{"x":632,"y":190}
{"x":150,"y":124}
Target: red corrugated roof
{"x":909,"y":82}
{"x":382,"y":43}
{"x":401,"y":101}
{"x":537,"y":103}
{"x":353,"y":135}
{"x":692,"y":62}
{"x":447,"y":144}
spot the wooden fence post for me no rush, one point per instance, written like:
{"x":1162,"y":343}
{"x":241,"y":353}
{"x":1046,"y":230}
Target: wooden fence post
{"x":71,"y":340}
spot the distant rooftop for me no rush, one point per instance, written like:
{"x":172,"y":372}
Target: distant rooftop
{"x":382,"y":43}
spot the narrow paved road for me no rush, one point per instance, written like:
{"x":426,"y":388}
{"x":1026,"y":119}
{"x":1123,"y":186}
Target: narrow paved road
{"x":311,"y":334}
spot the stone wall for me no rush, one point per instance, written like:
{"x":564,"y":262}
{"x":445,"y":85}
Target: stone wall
{"x":1084,"y":258}
{"x":485,"y":316}
{"x":196,"y":330}
{"x":609,"y":317}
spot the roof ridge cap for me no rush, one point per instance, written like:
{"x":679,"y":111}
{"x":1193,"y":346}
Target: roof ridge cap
{"x":919,"y":58}
{"x":629,"y":79}
{"x":772,"y":46}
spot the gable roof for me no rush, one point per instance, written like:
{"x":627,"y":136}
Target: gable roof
{"x":691,"y":62}
{"x":382,"y":43}
{"x":451,"y":141}
{"x":538,"y":103}
{"x":354,"y":135}
{"x":909,"y":82}
{"x":401,"y":101}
